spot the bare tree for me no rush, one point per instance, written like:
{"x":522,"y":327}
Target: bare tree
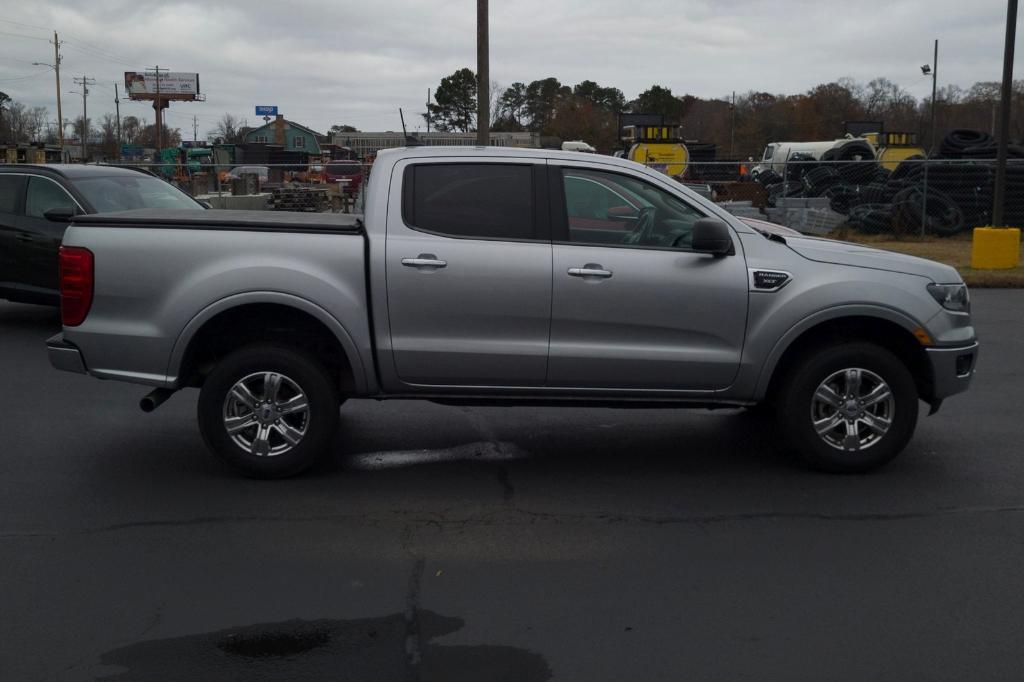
{"x":108,"y":126}
{"x":131,"y":129}
{"x":82,"y":128}
{"x":17,"y":122}
{"x":35,"y":123}
{"x":230,"y":129}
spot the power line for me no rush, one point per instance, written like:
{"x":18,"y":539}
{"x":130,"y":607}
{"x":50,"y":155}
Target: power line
{"x":22,"y":23}
{"x":18,"y":78}
{"x":97,"y":55}
{"x":24,"y":35}
{"x":77,"y":39}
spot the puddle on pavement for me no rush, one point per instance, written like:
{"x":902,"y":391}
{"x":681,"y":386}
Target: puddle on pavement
{"x":363,"y":649}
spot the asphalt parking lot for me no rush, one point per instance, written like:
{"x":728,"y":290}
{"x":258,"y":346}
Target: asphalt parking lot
{"x":444,"y":543}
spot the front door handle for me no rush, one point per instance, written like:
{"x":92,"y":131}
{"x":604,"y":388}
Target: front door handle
{"x":424,"y":260}
{"x":590,"y":270}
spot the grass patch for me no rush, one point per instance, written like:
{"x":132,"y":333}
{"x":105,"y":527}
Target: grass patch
{"x":955,"y":251}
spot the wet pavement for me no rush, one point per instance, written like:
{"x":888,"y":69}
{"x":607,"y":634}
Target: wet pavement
{"x":444,"y":543}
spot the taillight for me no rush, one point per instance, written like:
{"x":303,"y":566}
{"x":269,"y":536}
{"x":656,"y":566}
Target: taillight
{"x":76,"y":280}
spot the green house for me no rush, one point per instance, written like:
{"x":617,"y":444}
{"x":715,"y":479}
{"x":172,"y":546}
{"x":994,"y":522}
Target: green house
{"x":288,"y":134}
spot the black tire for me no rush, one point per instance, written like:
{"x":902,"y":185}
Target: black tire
{"x":317,"y":423}
{"x":796,"y":405}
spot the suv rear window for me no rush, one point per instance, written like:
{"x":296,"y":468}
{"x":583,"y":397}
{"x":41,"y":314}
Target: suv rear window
{"x":482,"y":201}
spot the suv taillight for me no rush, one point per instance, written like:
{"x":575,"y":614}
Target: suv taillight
{"x":76,"y":279}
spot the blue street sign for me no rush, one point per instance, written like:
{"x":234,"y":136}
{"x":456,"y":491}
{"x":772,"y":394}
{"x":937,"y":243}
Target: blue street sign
{"x":266,"y":110}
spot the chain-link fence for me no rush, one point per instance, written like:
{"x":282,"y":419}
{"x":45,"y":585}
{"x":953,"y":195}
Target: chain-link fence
{"x":910,"y":198}
{"x":335,"y":186}
{"x":913,"y":197}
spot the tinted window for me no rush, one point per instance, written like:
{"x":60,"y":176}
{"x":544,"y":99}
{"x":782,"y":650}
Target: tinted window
{"x":10,"y":193}
{"x":613,"y":209}
{"x":488,"y":201}
{"x":127,"y":192}
{"x":45,"y":194}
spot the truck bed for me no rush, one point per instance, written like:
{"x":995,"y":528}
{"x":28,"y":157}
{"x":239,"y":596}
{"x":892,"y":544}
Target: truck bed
{"x":154,"y":285}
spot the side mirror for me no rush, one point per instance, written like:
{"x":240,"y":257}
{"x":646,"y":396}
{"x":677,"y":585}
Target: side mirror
{"x":63,"y":214}
{"x":711,"y":235}
{"x":204,"y":203}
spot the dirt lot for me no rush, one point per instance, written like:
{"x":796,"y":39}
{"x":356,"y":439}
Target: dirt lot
{"x":955,"y":251}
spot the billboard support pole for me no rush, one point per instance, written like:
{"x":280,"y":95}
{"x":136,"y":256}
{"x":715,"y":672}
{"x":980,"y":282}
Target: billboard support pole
{"x":158,"y":105}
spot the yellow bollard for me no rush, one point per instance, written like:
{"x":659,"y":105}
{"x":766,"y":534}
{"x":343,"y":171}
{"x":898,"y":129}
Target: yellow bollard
{"x":995,"y":248}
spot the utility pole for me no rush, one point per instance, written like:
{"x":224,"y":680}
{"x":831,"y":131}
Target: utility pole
{"x":931,"y":150}
{"x":56,"y":70}
{"x":483,"y":78}
{"x":158,"y":105}
{"x":428,"y":110}
{"x":1004,"y":114}
{"x":85,"y":82}
{"x":935,"y":82}
{"x":117,"y":110}
{"x":732,"y":127}
{"x":195,"y":129}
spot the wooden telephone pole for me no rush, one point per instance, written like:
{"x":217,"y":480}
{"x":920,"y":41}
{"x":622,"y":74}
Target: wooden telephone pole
{"x":85,"y":82}
{"x":117,"y":110}
{"x":56,"y":70}
{"x":483,"y":77}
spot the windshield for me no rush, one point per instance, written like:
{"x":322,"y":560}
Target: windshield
{"x":115,"y":193}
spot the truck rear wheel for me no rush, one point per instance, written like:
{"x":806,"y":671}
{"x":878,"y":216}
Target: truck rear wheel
{"x":268,"y":410}
{"x":848,"y":408}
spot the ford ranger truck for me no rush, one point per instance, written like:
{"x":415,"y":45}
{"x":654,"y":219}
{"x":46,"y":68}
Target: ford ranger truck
{"x":510,"y":277}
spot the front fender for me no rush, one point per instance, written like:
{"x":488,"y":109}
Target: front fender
{"x":780,"y":347}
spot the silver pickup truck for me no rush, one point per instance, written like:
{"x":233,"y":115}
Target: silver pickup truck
{"x":511,"y":277}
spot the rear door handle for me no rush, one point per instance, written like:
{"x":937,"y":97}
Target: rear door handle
{"x":22,"y":237}
{"x":590,"y":270}
{"x":424,"y":260}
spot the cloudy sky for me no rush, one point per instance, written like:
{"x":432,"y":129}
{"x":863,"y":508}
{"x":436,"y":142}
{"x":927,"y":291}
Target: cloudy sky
{"x":338,"y":61}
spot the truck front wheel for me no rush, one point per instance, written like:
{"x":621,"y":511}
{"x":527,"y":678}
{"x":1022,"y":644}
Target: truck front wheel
{"x":848,"y":408}
{"x":268,"y":410}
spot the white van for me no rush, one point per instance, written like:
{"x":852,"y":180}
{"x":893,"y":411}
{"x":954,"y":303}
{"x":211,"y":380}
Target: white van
{"x":578,"y":146}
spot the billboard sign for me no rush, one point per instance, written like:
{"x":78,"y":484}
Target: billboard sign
{"x":171,"y":85}
{"x":263,"y":110}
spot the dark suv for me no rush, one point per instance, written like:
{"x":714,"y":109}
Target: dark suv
{"x":36,"y":204}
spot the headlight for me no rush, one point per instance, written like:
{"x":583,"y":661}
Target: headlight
{"x":952,"y":297}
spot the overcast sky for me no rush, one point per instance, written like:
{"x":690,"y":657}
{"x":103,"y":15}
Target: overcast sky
{"x":338,"y":61}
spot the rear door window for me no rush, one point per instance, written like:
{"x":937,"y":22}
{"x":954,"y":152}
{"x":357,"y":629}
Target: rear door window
{"x":481,"y":201}
{"x":10,"y":193}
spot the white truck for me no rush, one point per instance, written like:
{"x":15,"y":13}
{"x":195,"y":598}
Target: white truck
{"x":778,"y":154}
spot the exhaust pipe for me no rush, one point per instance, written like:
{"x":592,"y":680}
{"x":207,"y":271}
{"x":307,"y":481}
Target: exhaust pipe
{"x":155,"y":398}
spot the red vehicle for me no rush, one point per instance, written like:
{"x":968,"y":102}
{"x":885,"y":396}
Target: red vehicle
{"x":349,"y":174}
